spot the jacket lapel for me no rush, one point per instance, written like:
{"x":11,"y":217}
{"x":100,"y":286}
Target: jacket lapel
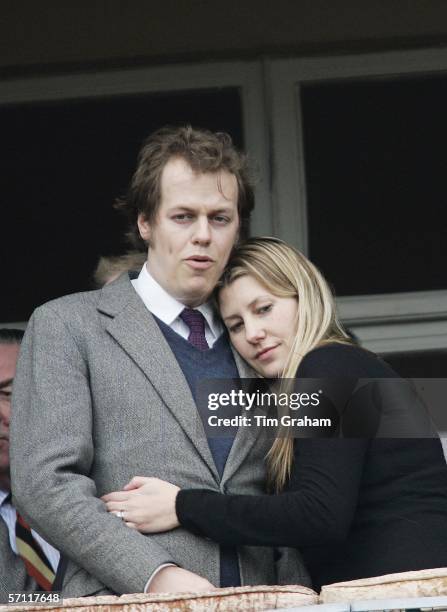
{"x":136,"y":331}
{"x":246,"y":436}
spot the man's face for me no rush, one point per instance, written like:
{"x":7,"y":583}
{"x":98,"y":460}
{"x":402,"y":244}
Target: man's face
{"x":8,"y":360}
{"x":196,"y":227}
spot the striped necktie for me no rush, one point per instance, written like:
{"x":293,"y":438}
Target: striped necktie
{"x":36,"y":562}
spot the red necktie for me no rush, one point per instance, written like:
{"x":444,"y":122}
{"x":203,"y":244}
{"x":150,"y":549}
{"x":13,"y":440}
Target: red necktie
{"x":195,"y":320}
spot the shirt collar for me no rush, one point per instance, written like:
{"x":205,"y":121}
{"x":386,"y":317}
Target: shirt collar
{"x":3,"y":495}
{"x":167,"y":308}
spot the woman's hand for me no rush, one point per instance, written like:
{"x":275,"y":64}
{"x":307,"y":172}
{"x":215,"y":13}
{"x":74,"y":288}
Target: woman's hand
{"x":145,"y":504}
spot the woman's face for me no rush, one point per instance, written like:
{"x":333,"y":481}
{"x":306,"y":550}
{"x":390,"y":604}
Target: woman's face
{"x":262,"y":326}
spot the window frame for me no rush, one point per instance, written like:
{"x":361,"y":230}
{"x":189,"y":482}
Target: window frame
{"x":247,"y":76}
{"x":383,"y":322}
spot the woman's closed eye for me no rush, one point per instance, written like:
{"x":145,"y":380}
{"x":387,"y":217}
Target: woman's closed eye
{"x":233,"y":329}
{"x":264,"y":309}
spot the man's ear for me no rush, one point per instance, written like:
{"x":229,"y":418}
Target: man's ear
{"x":144,"y":228}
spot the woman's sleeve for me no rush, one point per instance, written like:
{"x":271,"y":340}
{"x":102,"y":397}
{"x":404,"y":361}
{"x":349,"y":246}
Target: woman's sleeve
{"x":319,"y":509}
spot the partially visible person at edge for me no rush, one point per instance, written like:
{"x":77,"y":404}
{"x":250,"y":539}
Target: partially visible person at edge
{"x":106,"y":383}
{"x":27,"y":562}
{"x":109,"y":268}
{"x":354,"y":507}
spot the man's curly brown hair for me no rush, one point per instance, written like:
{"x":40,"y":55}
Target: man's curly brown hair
{"x":204,"y":151}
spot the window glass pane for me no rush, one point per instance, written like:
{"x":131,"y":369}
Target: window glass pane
{"x":64,"y":163}
{"x":419,"y":364}
{"x":376,"y":173}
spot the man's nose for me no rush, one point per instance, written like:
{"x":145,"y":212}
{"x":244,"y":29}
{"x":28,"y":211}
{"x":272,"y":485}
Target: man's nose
{"x":5,"y":413}
{"x":202,"y":231}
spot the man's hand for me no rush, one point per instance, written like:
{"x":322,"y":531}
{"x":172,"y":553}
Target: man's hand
{"x":177,"y":580}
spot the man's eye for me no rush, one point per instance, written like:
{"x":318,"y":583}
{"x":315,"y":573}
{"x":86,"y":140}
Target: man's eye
{"x":182,"y":217}
{"x":221,"y":219}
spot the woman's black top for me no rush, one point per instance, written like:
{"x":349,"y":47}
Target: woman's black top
{"x":355,"y":507}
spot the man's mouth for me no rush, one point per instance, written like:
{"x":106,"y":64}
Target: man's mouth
{"x":199,"y":262}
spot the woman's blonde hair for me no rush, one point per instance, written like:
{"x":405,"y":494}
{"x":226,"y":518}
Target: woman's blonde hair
{"x":286,"y":272}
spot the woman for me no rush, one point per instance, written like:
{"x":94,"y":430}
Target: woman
{"x":354,"y":507}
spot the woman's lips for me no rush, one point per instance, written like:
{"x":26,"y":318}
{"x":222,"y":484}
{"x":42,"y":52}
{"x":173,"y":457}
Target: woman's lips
{"x":265,"y":353}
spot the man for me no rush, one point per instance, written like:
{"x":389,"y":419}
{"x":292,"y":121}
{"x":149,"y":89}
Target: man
{"x":27,"y":562}
{"x":107,"y":379}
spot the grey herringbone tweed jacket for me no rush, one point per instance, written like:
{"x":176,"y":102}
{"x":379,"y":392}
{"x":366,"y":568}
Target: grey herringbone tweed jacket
{"x":98,"y":398}
{"x":13,"y":575}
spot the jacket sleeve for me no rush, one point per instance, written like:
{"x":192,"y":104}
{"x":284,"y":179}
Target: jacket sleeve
{"x":52,"y":452}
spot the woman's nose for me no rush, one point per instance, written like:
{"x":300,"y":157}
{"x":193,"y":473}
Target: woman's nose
{"x":254,"y":333}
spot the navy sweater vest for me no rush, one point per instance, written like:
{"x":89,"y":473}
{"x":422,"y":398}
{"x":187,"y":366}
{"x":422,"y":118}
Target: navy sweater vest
{"x":197,"y":365}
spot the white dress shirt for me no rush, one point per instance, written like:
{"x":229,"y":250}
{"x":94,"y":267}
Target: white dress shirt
{"x":168,"y":309}
{"x":9,"y":515}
